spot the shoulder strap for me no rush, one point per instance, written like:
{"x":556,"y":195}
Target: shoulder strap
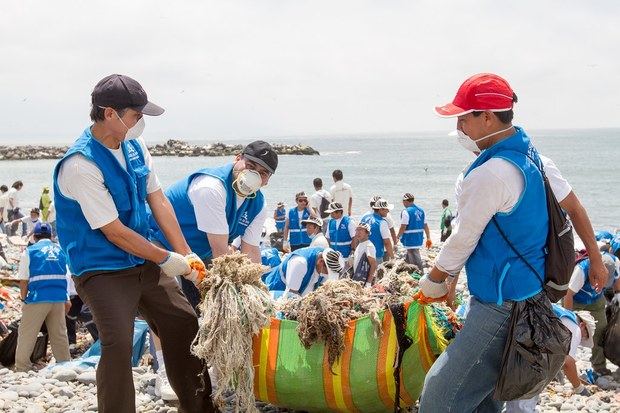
{"x":515,"y":250}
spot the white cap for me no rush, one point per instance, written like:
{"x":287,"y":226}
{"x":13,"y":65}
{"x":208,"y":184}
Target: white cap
{"x":313,"y":220}
{"x":383,"y":204}
{"x":334,"y":263}
{"x":587,"y":318}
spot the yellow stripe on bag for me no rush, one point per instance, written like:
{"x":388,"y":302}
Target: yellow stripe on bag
{"x":426,"y":356}
{"x":264,"y":352}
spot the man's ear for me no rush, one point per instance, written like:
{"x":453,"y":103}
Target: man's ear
{"x":108,"y":113}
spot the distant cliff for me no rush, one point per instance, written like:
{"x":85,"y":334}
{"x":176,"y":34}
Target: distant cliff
{"x":172,"y":147}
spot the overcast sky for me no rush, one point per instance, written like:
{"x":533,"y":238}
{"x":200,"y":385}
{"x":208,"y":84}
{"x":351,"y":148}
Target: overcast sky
{"x":225,"y":69}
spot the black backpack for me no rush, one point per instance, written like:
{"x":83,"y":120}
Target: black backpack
{"x":560,"y":259}
{"x":324,"y":205}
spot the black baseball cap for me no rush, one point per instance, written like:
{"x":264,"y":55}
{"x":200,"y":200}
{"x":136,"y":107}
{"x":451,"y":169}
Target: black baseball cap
{"x":120,"y":92}
{"x":263,"y":154}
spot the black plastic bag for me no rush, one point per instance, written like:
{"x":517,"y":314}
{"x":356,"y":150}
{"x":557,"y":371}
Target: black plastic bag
{"x":8,"y":346}
{"x":611,"y":339}
{"x":535,"y":350}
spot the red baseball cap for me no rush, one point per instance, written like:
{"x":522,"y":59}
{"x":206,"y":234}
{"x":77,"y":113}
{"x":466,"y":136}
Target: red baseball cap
{"x":481,"y":92}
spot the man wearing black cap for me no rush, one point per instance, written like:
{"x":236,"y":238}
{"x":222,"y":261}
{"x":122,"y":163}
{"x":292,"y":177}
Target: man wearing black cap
{"x":216,"y":205}
{"x":101,"y":187}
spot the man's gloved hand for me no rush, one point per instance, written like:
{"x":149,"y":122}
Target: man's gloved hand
{"x":581,"y":390}
{"x":433,"y":289}
{"x":175,"y":264}
{"x":199,"y":270}
{"x":429,"y":244}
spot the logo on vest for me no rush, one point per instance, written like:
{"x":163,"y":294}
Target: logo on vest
{"x":51,"y":252}
{"x":244,"y":220}
{"x":132,"y":153}
{"x":418,"y":215}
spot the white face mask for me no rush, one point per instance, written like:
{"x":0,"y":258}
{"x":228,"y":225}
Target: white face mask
{"x":248,"y":182}
{"x":470,"y":144}
{"x":135,"y":131}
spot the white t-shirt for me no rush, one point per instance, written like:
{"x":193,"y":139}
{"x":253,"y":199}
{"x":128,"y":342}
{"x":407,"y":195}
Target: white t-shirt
{"x":30,"y":223}
{"x":295,"y":271}
{"x":578,"y":278}
{"x":576,"y":338}
{"x":4,"y":203}
{"x":12,"y":198}
{"x":82,"y":180}
{"x":208,"y":196}
{"x":319,"y":240}
{"x":495,"y":186}
{"x":341,"y":193}
{"x":363,"y":247}
{"x":351,"y":228}
{"x":390,"y":221}
{"x":404,"y":217}
{"x":317,"y":197}
{"x":385,"y":230}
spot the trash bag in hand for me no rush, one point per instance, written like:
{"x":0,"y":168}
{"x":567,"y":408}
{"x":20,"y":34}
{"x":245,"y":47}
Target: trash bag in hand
{"x":611,"y":347}
{"x":535,"y":349}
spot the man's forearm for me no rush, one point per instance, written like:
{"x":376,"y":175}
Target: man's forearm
{"x":567,"y":302}
{"x":389,"y":251}
{"x":427,"y":231}
{"x":23,"y":289}
{"x":581,"y":223}
{"x":570,"y":370}
{"x":350,"y":206}
{"x":218,"y":244}
{"x":167,"y":222}
{"x":252,"y":251}
{"x":130,"y":241}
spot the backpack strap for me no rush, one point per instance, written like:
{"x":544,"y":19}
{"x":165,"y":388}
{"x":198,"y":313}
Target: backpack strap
{"x":503,"y":234}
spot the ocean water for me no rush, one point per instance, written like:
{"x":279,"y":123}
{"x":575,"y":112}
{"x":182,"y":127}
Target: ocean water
{"x":425,"y":164}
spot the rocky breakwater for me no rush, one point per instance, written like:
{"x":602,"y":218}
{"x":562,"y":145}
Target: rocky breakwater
{"x":175,"y":147}
{"x":172,"y":147}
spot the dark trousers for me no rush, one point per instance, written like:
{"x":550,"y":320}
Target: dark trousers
{"x":80,"y":312}
{"x":114,"y":298}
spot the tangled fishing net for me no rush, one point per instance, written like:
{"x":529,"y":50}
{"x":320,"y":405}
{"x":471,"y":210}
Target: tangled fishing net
{"x":323,"y":315}
{"x":235,"y":306}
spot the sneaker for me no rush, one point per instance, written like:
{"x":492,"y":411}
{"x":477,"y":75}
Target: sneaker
{"x":163,"y":388}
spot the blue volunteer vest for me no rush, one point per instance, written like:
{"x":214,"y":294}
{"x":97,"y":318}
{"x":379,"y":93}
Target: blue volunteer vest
{"x":494,"y":271}
{"x":276,"y":278}
{"x":587,"y":294}
{"x":615,"y":245}
{"x":603,"y":236}
{"x":270,"y":257}
{"x":375,"y":220}
{"x":563,"y":312}
{"x":88,"y":249}
{"x":297,"y":234}
{"x":238,"y":218}
{"x":48,"y":273}
{"x":414,"y":234}
{"x":280,"y":219}
{"x":339,"y":238}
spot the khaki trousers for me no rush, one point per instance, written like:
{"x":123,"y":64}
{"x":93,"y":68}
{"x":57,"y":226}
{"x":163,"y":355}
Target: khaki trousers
{"x":33,"y":317}
{"x":597,"y":309}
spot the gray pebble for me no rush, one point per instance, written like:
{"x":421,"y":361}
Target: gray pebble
{"x":65,"y":375}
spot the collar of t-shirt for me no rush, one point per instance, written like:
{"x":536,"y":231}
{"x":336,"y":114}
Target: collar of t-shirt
{"x":120,"y":156}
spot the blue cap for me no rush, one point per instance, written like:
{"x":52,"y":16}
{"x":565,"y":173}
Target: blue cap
{"x":41,"y":228}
